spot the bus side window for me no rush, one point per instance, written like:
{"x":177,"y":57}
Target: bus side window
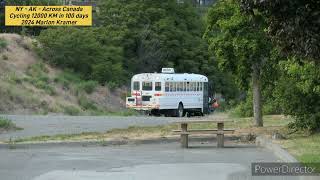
{"x":167,"y":87}
{"x":184,"y":86}
{"x":181,"y":86}
{"x":188,"y":86}
{"x":198,"y":86}
{"x":136,"y":85}
{"x":171,"y":86}
{"x":201,"y":84}
{"x":174,"y":86}
{"x":157,"y":86}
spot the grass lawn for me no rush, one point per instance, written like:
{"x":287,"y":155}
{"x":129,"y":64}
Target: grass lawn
{"x":305,"y":148}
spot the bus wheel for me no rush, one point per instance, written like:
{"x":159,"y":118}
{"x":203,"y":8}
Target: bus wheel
{"x":180,"y":111}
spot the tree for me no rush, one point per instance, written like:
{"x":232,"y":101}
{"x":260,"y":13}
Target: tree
{"x":155,"y":34}
{"x":298,"y":93}
{"x":78,"y":49}
{"x":240,"y":45}
{"x":293,"y":25}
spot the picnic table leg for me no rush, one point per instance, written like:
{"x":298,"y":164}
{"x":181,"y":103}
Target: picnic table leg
{"x":184,"y":137}
{"x":220,"y":135}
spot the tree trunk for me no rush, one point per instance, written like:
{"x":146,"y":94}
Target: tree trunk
{"x":256,"y":87}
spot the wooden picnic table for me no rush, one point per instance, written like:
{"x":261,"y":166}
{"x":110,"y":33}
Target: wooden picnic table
{"x":220,"y":131}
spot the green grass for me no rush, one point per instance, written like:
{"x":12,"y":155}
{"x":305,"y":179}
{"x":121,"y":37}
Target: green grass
{"x":304,"y":147}
{"x":8,"y":125}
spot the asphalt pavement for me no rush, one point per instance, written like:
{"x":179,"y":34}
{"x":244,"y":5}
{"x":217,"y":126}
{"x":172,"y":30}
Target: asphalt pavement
{"x":53,"y":125}
{"x":134,"y":162}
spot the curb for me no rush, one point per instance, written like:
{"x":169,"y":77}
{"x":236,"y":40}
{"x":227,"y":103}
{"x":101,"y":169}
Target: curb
{"x":277,"y":149}
{"x":115,"y":142}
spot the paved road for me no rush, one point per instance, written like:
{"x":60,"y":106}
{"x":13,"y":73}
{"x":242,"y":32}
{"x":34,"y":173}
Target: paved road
{"x":135,"y":162}
{"x":51,"y":125}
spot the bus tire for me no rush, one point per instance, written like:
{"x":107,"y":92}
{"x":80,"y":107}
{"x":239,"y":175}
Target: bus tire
{"x":180,"y":110}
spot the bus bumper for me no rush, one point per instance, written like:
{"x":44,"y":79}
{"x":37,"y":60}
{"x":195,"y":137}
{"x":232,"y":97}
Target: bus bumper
{"x":143,"y":107}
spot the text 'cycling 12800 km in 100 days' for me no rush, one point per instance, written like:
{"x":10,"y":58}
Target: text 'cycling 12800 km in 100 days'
{"x":48,"y":15}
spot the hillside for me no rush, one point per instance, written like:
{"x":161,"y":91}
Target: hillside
{"x":30,"y":86}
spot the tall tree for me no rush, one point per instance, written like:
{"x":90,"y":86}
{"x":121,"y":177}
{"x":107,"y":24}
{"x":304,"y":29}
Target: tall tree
{"x":155,"y":33}
{"x":240,"y":45}
{"x":294,"y":25}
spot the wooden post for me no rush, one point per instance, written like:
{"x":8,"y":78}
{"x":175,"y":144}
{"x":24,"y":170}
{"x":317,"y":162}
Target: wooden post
{"x":220,"y":135}
{"x":184,"y":137}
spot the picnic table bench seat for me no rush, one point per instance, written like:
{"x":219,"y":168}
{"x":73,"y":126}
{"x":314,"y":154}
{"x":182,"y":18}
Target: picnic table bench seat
{"x":184,"y":131}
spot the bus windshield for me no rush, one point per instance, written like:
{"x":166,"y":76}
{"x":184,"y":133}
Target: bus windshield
{"x":147,"y":86}
{"x":136,"y":85}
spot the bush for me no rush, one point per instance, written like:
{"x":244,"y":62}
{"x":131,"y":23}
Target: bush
{"x":3,"y":43}
{"x":298,"y":93}
{"x":112,"y":85}
{"x":86,"y":103}
{"x":7,"y":124}
{"x":72,"y":110}
{"x":86,"y":86}
{"x":13,"y":78}
{"x":244,"y":109}
{"x":37,"y":69}
{"x":39,"y":78}
{"x":5,"y":57}
{"x":66,"y":78}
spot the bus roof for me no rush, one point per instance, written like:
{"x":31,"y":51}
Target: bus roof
{"x":170,"y":77}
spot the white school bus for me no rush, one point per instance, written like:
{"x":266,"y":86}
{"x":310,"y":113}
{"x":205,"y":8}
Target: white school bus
{"x":169,"y":93}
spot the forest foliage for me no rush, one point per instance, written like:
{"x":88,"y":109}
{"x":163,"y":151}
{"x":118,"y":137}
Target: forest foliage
{"x":135,"y":37}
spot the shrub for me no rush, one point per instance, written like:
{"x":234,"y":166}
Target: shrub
{"x":86,"y":103}
{"x":7,"y":124}
{"x":112,"y":85}
{"x":298,"y":93}
{"x":71,"y":110}
{"x":3,"y":43}
{"x":5,"y":57}
{"x":86,"y":86}
{"x":37,"y":69}
{"x":14,"y":79}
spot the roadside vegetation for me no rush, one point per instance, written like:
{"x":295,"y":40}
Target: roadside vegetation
{"x":7,"y":125}
{"x":243,"y":126}
{"x":304,"y":147}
